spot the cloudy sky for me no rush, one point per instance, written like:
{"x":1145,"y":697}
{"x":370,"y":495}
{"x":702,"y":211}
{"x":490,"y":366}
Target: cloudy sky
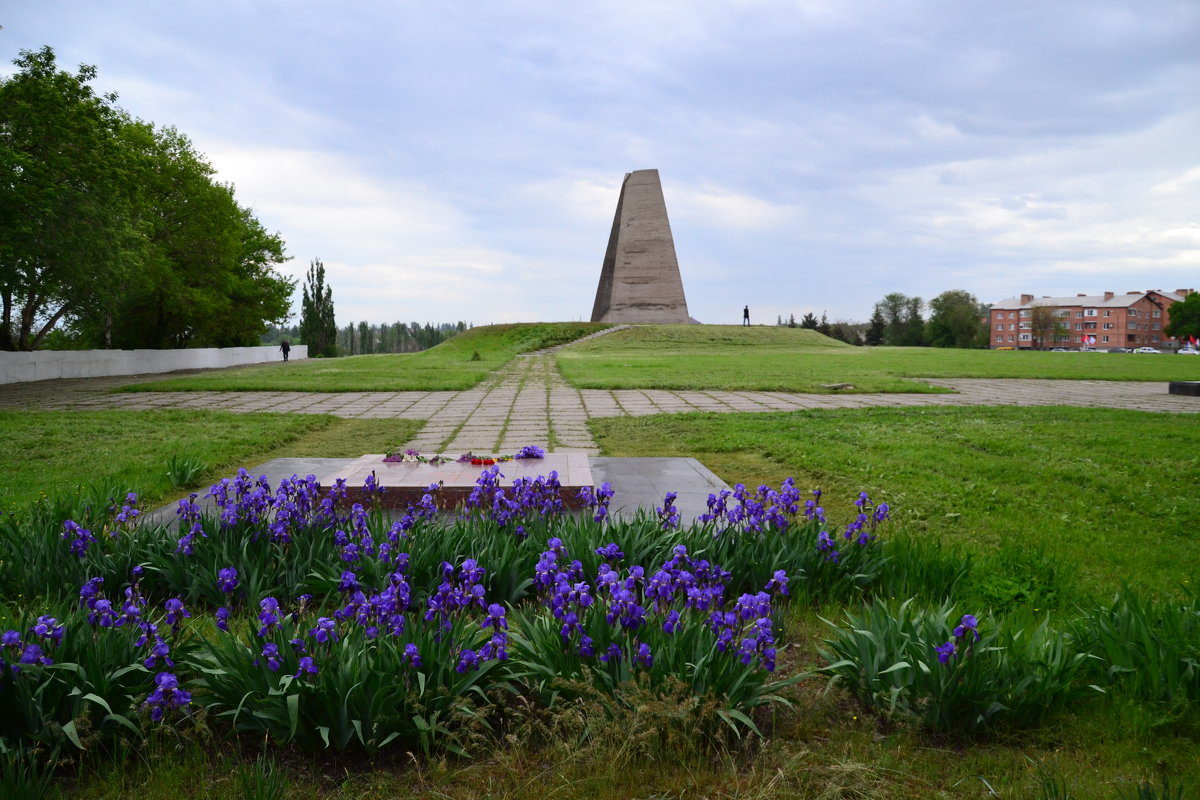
{"x":461,"y":159}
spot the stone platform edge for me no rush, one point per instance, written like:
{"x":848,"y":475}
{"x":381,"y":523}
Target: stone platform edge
{"x":405,"y":483}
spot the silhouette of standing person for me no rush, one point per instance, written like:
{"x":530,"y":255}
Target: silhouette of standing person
{"x":746,"y":316}
{"x":286,"y":348}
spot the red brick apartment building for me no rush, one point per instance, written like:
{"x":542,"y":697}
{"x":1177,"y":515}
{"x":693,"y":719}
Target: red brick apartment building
{"x":1133,"y":319}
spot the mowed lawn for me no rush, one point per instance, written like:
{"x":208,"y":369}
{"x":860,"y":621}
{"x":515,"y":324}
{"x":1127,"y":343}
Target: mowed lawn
{"x":53,"y":452}
{"x":1052,"y":505}
{"x":1092,"y":497}
{"x":796,"y":360}
{"x":456,"y":364}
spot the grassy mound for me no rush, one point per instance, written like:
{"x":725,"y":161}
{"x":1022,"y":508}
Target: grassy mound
{"x":456,"y":364}
{"x":731,"y":358}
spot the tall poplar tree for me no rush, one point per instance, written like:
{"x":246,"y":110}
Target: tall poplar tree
{"x":318,"y":329}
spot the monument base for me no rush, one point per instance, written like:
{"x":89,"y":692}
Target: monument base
{"x":1185,"y":388}
{"x":405,"y":482}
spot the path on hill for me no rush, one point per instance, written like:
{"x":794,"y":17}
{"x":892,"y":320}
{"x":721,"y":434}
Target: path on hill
{"x":528,"y":402}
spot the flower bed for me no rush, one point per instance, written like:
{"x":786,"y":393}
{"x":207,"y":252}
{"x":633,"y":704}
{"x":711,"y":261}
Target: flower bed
{"x":290,"y":614}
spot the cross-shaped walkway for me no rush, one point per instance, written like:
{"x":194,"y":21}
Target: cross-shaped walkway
{"x":527,"y":402}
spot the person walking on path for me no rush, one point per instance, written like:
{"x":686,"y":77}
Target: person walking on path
{"x":746,"y":317}
{"x":286,"y":348}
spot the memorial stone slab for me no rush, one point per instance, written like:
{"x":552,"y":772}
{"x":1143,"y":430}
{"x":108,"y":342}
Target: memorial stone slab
{"x":406,"y":481}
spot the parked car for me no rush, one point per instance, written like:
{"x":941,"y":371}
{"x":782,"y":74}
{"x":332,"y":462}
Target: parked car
{"x":1148,"y":350}
{"x":1118,"y":350}
{"x":1187,"y":351}
{"x":1059,"y":350}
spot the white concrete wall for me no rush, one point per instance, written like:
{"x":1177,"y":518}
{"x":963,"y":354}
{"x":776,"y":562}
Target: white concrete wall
{"x":43,"y":365}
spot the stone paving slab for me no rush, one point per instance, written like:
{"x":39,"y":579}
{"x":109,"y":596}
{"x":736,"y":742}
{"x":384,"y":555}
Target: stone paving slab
{"x":275,"y":470}
{"x":644,"y":483}
{"x":527,"y":402}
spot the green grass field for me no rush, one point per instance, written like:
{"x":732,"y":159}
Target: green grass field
{"x":1053,"y":505}
{"x":55,"y":451}
{"x":458,"y":363}
{"x":797,"y":360}
{"x":1104,"y":494}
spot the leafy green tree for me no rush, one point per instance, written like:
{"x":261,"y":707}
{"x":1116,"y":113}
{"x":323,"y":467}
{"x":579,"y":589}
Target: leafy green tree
{"x":903,"y":324}
{"x":67,"y":235}
{"x":956,"y":319}
{"x":318,"y":328}
{"x":914,"y":324}
{"x":893,"y":308}
{"x":843,"y":332}
{"x":117,"y":229}
{"x":1045,"y":325}
{"x":207,"y":276}
{"x":1184,"y":318}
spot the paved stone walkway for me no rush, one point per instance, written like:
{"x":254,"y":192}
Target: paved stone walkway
{"x":527,"y":402}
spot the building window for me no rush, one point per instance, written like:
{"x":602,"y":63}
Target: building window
{"x":1089,"y":312}
{"x":1089,"y":326}
{"x":1108,"y":326}
{"x":1153,"y":326}
{"x":1104,"y":338}
{"x":1024,"y":312}
{"x":1000,"y":327}
{"x":1026,"y":326}
{"x":1157,"y":313}
{"x":1131,"y":338}
{"x":1133,"y":312}
{"x":1078,"y":326}
{"x":1010,"y":338}
{"x":1107,"y":313}
{"x":999,"y":338}
{"x":1133,"y":326}
{"x":1012,"y":315}
{"x":1062,"y":312}
{"x":1025,"y":337}
{"x":1012,"y":326}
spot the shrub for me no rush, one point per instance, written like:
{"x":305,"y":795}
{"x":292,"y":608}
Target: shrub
{"x":921,"y":665}
{"x":1148,"y":650}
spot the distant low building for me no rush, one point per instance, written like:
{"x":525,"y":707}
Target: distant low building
{"x":1133,"y":319}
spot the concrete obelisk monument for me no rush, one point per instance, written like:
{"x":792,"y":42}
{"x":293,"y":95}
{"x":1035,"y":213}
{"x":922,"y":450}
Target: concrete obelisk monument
{"x":640,"y":279}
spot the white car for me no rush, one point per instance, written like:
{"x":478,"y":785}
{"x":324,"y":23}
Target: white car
{"x":1147,"y":350}
{"x":1187,"y":351}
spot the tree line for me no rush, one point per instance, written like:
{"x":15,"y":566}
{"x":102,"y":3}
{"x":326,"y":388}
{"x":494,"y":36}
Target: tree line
{"x":849,"y":332}
{"x":362,"y":338}
{"x":956,"y":319}
{"x":320,"y":332}
{"x":114,"y":232}
{"x":365,"y":338}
